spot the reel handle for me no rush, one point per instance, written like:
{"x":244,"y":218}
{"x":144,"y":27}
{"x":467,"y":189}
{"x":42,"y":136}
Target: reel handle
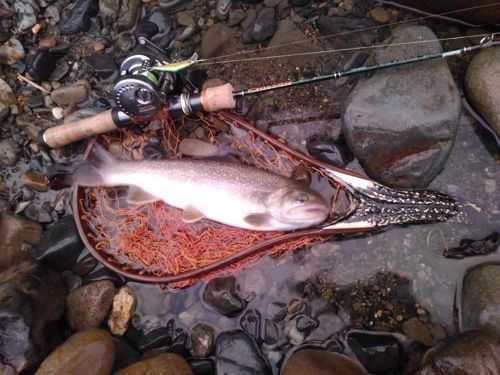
{"x":65,"y":134}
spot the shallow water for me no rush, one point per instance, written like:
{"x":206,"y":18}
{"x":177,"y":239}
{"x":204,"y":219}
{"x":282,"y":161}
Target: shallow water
{"x":413,"y":252}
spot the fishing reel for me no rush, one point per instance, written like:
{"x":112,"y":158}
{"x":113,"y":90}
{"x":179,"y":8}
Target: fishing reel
{"x":149,"y":87}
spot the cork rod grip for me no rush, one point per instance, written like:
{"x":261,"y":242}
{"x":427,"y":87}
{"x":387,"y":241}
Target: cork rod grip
{"x":65,"y":134}
{"x":216,"y":98}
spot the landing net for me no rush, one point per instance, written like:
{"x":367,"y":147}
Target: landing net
{"x":151,"y":239}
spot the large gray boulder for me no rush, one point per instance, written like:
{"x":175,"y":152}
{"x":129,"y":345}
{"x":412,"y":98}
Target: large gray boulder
{"x":401,"y":122}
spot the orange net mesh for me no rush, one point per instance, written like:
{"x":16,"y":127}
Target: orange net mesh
{"x":152,"y":239}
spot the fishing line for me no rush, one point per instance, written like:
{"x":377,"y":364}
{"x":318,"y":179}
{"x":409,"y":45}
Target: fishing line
{"x":203,"y":62}
{"x":348,"y":32}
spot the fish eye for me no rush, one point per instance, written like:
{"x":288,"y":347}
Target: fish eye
{"x":302,"y":198}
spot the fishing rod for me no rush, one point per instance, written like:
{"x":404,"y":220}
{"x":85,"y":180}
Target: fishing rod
{"x":146,"y":91}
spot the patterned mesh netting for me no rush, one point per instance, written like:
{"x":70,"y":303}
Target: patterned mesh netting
{"x":152,"y":239}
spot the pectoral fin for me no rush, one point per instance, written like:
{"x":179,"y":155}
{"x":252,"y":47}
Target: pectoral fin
{"x":191,"y":214}
{"x":138,"y":196}
{"x":259,"y":220}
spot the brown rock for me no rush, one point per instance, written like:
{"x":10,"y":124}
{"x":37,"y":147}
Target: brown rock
{"x":67,"y":95}
{"x":416,"y":330}
{"x":122,"y":311}
{"x":15,"y":231}
{"x":470,"y":353}
{"x":87,"y":307}
{"x":215,"y":40}
{"x":482,"y":81}
{"x":163,"y":364}
{"x":35,"y":181}
{"x":380,"y":14}
{"x":319,"y":362}
{"x":86,"y":352}
{"x":47,"y":43}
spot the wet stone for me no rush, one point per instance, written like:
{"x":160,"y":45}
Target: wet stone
{"x":89,"y":352}
{"x":16,"y":231}
{"x":236,"y":16}
{"x":157,"y":338}
{"x":215,"y":39}
{"x":60,"y":246}
{"x":9,"y":152}
{"x":480,"y":298}
{"x":377,"y":352}
{"x":470,"y":353}
{"x":125,"y":354}
{"x":237,"y":353}
{"x":7,"y":98}
{"x":202,"y":366}
{"x":85,"y":265}
{"x":222,"y":294}
{"x":481,"y":82}
{"x":390,"y":110}
{"x":276,"y":311}
{"x":77,"y":18}
{"x":271,"y":333}
{"x":333,"y":152}
{"x":250,"y":322}
{"x":202,"y":340}
{"x":319,"y":362}
{"x":160,"y":19}
{"x":35,"y":181}
{"x":416,"y":330}
{"x":87,"y":307}
{"x":163,"y":364}
{"x":31,"y":301}
{"x":11,"y":52}
{"x":122,"y":310}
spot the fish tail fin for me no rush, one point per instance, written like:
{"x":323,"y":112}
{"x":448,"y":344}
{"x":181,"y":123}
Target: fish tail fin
{"x":93,"y":172}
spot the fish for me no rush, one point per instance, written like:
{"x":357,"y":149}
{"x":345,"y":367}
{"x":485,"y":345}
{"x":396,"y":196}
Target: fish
{"x":231,"y":193}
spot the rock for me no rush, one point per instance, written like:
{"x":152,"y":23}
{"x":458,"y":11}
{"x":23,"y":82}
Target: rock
{"x":197,"y":148}
{"x":237,"y":353}
{"x":391,"y":110}
{"x":215,"y":39}
{"x":377,"y":352}
{"x":329,"y":151}
{"x":299,"y":3}
{"x":271,"y":3}
{"x":250,"y":322}
{"x":104,"y":65}
{"x":298,"y":328}
{"x":60,"y":246}
{"x":236,"y":16}
{"x":202,"y":340}
{"x":52,"y":12}
{"x":109,"y":9}
{"x":129,"y":14}
{"x":160,"y":19}
{"x":122,"y":310}
{"x":482,"y":81}
{"x":222,"y":294}
{"x":7,"y":98}
{"x":16,"y":231}
{"x":11,"y":52}
{"x":416,"y":330}
{"x":470,"y":353}
{"x":320,"y":362}
{"x":62,"y":68}
{"x":9,"y":152}
{"x":480,"y":298}
{"x":276,"y":311}
{"x":380,"y":14}
{"x":125,"y":355}
{"x":157,"y":338}
{"x":284,"y":41}
{"x":35,"y":180}
{"x":250,"y":17}
{"x":31,"y":302}
{"x":90,"y":352}
{"x":185,"y":19}
{"x":74,"y":94}
{"x":42,"y":65}
{"x":87,"y":307}
{"x":163,"y":364}
{"x":77,"y":18}
{"x":265,"y":25}
{"x":26,"y":16}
